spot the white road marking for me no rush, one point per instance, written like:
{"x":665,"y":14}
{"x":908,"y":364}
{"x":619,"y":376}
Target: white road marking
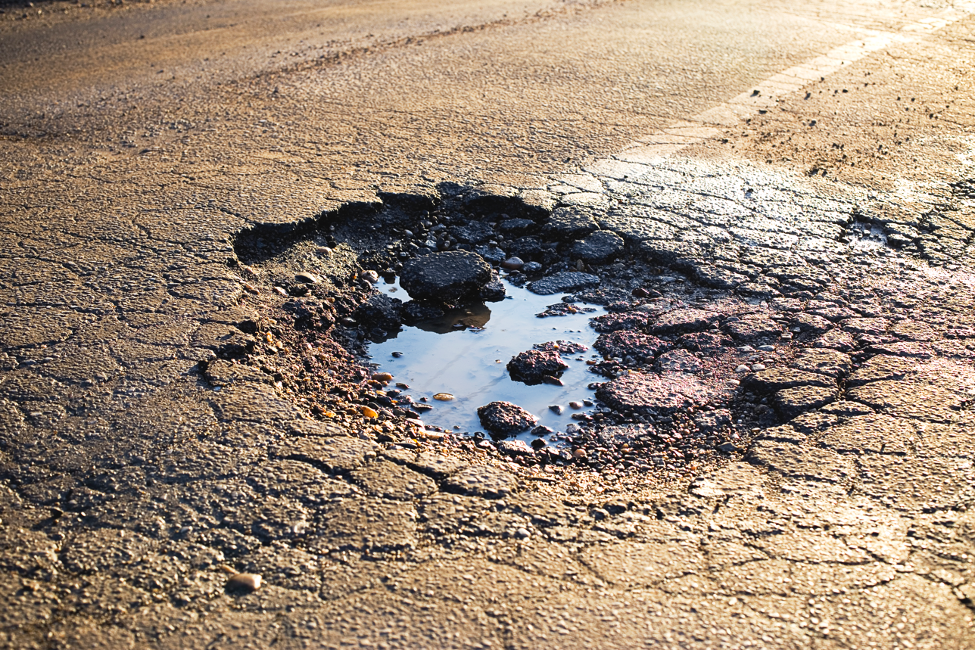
{"x":631,"y":161}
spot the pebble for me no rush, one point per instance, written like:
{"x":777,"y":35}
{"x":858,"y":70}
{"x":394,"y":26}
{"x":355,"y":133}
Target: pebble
{"x":758,"y":366}
{"x":396,"y":355}
{"x":556,"y":408}
{"x":513,"y":264}
{"x":371,"y":276}
{"x":306,"y":277}
{"x":246,"y":582}
{"x":576,"y":405}
{"x":522,"y":533}
{"x":444,"y":397}
{"x":368,"y":412}
{"x":382,"y":376}
{"x":323,"y":250}
{"x":767,"y":348}
{"x":532,"y":267}
{"x":579,"y":453}
{"x":742,"y":368}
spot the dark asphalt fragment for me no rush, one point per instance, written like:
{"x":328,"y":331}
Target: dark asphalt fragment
{"x":504,"y":418}
{"x":445,"y":277}
{"x":533,"y":366}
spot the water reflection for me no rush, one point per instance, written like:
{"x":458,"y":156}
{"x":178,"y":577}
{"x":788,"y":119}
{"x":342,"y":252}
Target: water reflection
{"x":473,"y":316}
{"x":464,"y":353}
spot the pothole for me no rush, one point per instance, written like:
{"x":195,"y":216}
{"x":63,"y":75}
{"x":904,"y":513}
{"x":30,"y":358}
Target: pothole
{"x":668,"y":369}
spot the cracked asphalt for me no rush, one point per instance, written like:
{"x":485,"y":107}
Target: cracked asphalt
{"x":805,"y":170}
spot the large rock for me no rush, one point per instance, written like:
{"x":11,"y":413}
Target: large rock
{"x":531,"y":366}
{"x":445,"y":277}
{"x":598,"y":247}
{"x":381,"y":311}
{"x":505,"y":418}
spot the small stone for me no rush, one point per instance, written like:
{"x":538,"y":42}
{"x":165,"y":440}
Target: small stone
{"x":742,"y":368}
{"x":541,"y":431}
{"x":576,"y":405}
{"x":532,"y":267}
{"x":758,"y":367}
{"x":396,"y":355}
{"x":368,"y":412}
{"x":514,"y":448}
{"x":579,"y":453}
{"x":244,"y":582}
{"x":323,"y":250}
{"x":513,"y":264}
{"x":444,"y":397}
{"x":556,"y":408}
{"x":522,"y":533}
{"x":382,"y":376}
{"x":767,"y":348}
{"x":307,"y":278}
{"x":371,"y":276}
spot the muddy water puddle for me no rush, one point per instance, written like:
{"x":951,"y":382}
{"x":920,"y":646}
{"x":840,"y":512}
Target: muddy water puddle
{"x":466,"y":352}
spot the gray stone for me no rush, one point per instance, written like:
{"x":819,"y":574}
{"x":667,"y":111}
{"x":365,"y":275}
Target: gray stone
{"x":491,"y":254}
{"x":598,"y":247}
{"x":562,"y":282}
{"x":474,"y":232}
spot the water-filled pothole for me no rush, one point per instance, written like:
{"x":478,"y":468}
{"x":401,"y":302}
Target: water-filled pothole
{"x":692,"y":360}
{"x":465,"y":354}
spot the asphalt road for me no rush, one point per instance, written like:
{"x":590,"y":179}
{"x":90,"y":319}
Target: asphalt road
{"x":734,"y":141}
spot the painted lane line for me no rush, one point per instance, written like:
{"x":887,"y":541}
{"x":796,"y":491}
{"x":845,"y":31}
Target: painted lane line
{"x":646,"y":150}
